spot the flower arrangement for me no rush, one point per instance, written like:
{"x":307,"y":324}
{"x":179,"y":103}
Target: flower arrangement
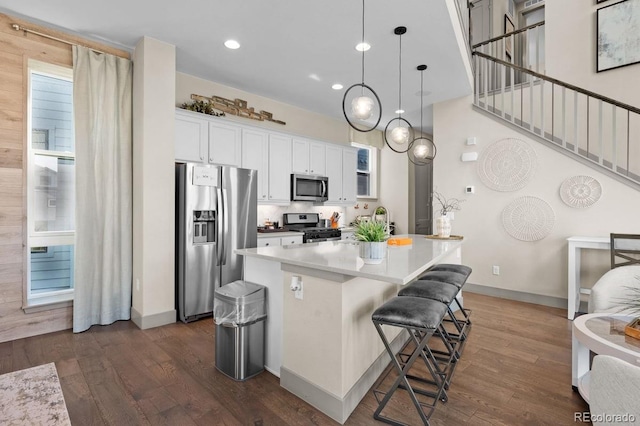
{"x":371,"y":231}
{"x":447,"y":205}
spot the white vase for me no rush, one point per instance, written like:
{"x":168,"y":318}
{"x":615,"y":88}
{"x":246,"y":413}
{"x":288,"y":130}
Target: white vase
{"x":373,"y":253}
{"x":443,"y":227}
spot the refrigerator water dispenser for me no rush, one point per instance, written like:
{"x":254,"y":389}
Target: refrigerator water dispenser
{"x":204,"y":223}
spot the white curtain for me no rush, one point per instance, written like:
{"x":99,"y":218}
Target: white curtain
{"x":103,"y":133}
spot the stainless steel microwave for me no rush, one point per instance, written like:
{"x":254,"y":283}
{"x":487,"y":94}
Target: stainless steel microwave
{"x":309,"y":188}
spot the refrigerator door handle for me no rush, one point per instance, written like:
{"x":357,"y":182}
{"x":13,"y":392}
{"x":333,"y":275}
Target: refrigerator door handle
{"x":219,"y":226}
{"x":225,"y":217}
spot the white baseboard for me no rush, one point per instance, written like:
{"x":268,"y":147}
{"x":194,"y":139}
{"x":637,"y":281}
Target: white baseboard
{"x":155,"y":320}
{"x":520,"y":296}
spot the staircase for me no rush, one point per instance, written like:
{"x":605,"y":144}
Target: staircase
{"x":510,"y":84}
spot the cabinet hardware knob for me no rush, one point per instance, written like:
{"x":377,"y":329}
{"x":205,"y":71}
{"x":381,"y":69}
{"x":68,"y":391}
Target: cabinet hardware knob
{"x":306,"y":170}
{"x":266,"y":244}
{"x":311,"y":171}
{"x":264,"y":196}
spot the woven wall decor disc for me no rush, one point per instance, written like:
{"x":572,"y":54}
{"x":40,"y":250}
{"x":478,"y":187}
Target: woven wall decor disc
{"x":507,"y":165}
{"x":580,"y":192}
{"x":528,"y":218}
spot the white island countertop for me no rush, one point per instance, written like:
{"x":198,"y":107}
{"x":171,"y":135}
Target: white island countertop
{"x":401,"y":266}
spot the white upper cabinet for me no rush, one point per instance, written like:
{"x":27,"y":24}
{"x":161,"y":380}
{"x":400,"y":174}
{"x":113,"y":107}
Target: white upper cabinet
{"x":300,"y":155}
{"x":341,"y":166}
{"x":200,"y":138}
{"x":308,"y":158}
{"x":349,"y":175}
{"x":317,"y":158}
{"x":225,"y":144}
{"x":205,"y":139}
{"x":191,"y":137}
{"x":279,"y":169}
{"x":255,"y":155}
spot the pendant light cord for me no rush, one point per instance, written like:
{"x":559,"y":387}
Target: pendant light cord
{"x":400,"y":80}
{"x":363,"y":49}
{"x":421,"y":97}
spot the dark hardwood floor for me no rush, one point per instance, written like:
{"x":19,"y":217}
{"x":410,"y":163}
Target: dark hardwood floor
{"x":515,"y":370}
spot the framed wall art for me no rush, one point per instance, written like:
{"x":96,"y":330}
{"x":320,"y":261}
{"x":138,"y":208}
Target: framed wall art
{"x":618,"y":32}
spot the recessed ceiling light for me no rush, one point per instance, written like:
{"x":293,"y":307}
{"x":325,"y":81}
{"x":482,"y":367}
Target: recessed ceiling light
{"x":337,"y":86}
{"x":232,"y":44}
{"x":363,"y":47}
{"x":399,"y":111}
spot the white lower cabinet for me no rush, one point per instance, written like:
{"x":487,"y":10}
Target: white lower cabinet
{"x":269,"y":242}
{"x":279,"y":241}
{"x":287,"y":241}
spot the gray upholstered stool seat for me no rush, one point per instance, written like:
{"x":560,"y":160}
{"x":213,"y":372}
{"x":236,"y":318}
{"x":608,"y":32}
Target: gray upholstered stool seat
{"x":460,"y":269}
{"x":445,"y":276}
{"x":434,"y":290}
{"x":411,"y":312}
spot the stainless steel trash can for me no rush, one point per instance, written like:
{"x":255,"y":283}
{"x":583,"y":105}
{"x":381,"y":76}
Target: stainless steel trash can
{"x":239,"y":314}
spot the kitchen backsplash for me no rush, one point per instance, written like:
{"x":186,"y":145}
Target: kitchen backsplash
{"x":274,"y":213}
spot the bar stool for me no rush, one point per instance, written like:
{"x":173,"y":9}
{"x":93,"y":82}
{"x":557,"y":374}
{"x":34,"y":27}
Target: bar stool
{"x":421,"y":318}
{"x":444,"y":293}
{"x":456,"y":275}
{"x":450,"y":267}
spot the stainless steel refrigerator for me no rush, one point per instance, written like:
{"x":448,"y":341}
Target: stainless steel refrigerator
{"x":216,"y":213}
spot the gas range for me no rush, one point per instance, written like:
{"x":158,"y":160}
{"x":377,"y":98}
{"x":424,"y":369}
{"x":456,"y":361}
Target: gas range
{"x":308,"y":224}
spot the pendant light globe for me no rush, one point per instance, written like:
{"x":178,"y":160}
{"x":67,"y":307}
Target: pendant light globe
{"x":424,"y":150}
{"x":398,"y":134}
{"x":421,"y":151}
{"x":361,"y":105}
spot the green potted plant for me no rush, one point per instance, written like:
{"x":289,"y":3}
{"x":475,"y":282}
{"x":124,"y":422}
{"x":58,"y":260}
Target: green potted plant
{"x":381,"y":214}
{"x":372,"y":238}
{"x":631,"y":306}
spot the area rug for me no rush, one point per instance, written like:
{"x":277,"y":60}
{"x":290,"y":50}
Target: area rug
{"x":32,"y":397}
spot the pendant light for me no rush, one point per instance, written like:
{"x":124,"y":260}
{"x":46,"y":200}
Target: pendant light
{"x":398,"y":134}
{"x":423,"y":150}
{"x":361,"y":104}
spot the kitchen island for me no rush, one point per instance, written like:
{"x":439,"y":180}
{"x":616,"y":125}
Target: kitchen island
{"x":322,"y":343}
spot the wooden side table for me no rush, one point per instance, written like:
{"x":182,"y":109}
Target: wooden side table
{"x":576,"y":244}
{"x":602,"y":333}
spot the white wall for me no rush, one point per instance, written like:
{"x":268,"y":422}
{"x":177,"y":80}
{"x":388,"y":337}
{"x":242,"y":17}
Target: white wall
{"x":153,"y":183}
{"x":571,"y":52}
{"x":299,"y":121}
{"x":533,"y":267}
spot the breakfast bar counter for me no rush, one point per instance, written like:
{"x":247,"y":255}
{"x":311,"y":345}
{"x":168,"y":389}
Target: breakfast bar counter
{"x":320,"y":340}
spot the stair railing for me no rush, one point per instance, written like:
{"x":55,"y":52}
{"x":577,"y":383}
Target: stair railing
{"x":510,"y":83}
{"x":598,"y":129}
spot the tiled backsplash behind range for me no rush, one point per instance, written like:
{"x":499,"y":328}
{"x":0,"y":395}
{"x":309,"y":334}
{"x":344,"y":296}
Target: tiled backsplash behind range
{"x":274,"y":213}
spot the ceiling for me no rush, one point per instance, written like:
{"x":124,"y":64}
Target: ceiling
{"x":291,"y":51}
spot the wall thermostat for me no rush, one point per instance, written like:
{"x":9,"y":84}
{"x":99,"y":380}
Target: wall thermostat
{"x":470,"y":190}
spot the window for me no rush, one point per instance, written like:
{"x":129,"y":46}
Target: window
{"x":50,"y":184}
{"x":367,"y":171}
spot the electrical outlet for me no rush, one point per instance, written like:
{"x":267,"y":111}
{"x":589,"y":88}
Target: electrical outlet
{"x":298,"y":293}
{"x":496,"y":270}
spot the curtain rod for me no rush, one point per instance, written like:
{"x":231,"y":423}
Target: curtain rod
{"x":29,"y":30}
